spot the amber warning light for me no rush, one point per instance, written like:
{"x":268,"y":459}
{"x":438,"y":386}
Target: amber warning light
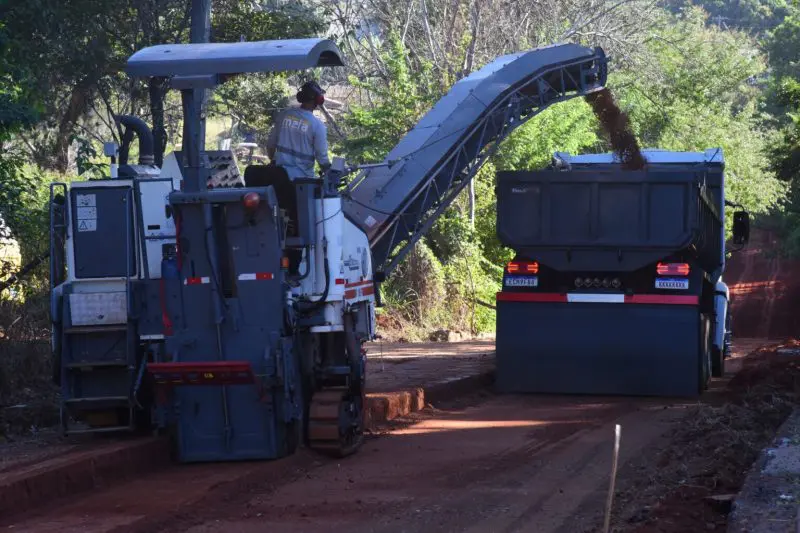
{"x":250,"y":201}
{"x":673,"y":269}
{"x":522,"y":267}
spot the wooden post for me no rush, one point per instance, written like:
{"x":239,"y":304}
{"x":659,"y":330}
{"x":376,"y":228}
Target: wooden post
{"x":614,"y":462}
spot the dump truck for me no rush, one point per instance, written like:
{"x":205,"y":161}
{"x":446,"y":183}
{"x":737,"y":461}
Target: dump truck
{"x":175,"y":303}
{"x":616,"y":283}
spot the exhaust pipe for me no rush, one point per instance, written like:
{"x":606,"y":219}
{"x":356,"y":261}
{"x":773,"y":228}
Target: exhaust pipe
{"x":146,"y":143}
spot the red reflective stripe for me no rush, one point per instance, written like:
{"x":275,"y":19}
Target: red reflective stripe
{"x":531,"y":297}
{"x":264,"y":275}
{"x":198,"y":366}
{"x":162,"y":300}
{"x":359,"y":283}
{"x":350,"y":294}
{"x":662,"y":299}
{"x":366,"y":291}
{"x":339,"y":281}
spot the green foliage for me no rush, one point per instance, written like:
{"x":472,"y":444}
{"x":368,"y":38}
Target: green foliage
{"x":400,"y":100}
{"x":700,"y":96}
{"x":234,"y":20}
{"x":783,"y":47}
{"x":567,"y":127}
{"x":754,"y":16}
{"x":23,"y":206}
{"x":252,"y":101}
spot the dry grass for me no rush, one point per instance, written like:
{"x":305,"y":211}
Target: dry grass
{"x":28,"y":398}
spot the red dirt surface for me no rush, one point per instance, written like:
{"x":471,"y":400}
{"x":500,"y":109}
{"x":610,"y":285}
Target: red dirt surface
{"x":668,"y":490}
{"x":403,"y":378}
{"x":484,"y":463}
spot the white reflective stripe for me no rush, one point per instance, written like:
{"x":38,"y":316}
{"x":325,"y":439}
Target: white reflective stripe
{"x":256,"y":276}
{"x":596,"y":298}
{"x":192,"y":281}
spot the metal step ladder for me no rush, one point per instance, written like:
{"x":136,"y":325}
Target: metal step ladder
{"x":98,"y":360}
{"x":98,"y":365}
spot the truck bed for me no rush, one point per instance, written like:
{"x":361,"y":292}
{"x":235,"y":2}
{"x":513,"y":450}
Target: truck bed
{"x":602,"y":218}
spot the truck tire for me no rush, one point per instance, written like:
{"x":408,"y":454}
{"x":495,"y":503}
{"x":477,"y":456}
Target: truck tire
{"x":717,"y":362}
{"x":704,"y":354}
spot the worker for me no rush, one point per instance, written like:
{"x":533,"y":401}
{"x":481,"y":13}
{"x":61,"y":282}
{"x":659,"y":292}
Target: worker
{"x":298,"y":138}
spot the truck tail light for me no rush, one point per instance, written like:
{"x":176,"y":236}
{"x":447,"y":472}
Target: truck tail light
{"x":522,"y":267}
{"x":673,"y":269}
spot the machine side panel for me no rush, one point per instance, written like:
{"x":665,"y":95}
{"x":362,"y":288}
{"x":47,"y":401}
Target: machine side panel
{"x":101,"y":217}
{"x":159,"y":229}
{"x":231,"y":422}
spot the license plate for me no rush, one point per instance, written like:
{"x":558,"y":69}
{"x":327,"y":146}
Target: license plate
{"x":667,"y":283}
{"x":522,"y":281}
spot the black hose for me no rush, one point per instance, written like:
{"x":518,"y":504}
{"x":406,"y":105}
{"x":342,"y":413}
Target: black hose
{"x":321,"y":302}
{"x":145,"y":134}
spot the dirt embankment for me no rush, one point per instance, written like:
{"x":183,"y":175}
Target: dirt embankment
{"x":765,"y":289}
{"x":687,"y":484}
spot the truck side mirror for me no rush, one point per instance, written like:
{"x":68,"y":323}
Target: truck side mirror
{"x":741,"y":227}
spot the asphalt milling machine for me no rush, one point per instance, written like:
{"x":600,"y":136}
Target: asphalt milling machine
{"x":229,"y":309}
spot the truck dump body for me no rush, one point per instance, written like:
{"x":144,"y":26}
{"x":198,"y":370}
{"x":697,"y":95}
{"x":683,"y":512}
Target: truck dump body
{"x":598,"y":217}
{"x":612,"y":287}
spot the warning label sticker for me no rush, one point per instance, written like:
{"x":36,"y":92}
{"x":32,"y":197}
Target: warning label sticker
{"x":86,"y":200}
{"x":87,"y":212}
{"x":87,"y":225}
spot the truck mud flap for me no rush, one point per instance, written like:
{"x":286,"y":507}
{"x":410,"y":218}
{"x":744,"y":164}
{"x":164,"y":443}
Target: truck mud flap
{"x":598,"y":348}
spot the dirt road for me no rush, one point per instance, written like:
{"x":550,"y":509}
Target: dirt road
{"x":485,"y":463}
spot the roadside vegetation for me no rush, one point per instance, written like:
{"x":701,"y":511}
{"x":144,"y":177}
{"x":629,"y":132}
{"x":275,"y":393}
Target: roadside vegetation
{"x":690,"y":76}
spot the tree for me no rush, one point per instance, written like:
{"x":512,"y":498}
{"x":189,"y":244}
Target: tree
{"x":696,"y":94}
{"x":398,"y":101}
{"x":756,"y":17}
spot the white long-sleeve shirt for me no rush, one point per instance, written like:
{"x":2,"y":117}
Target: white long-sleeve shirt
{"x":299,"y":138}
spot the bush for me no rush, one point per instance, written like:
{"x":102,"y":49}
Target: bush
{"x":28,"y":398}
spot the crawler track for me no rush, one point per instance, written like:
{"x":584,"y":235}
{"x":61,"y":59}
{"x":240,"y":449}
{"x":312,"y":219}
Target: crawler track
{"x":335,"y":424}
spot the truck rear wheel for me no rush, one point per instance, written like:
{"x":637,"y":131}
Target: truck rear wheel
{"x":717,"y":362}
{"x":704,"y":355}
